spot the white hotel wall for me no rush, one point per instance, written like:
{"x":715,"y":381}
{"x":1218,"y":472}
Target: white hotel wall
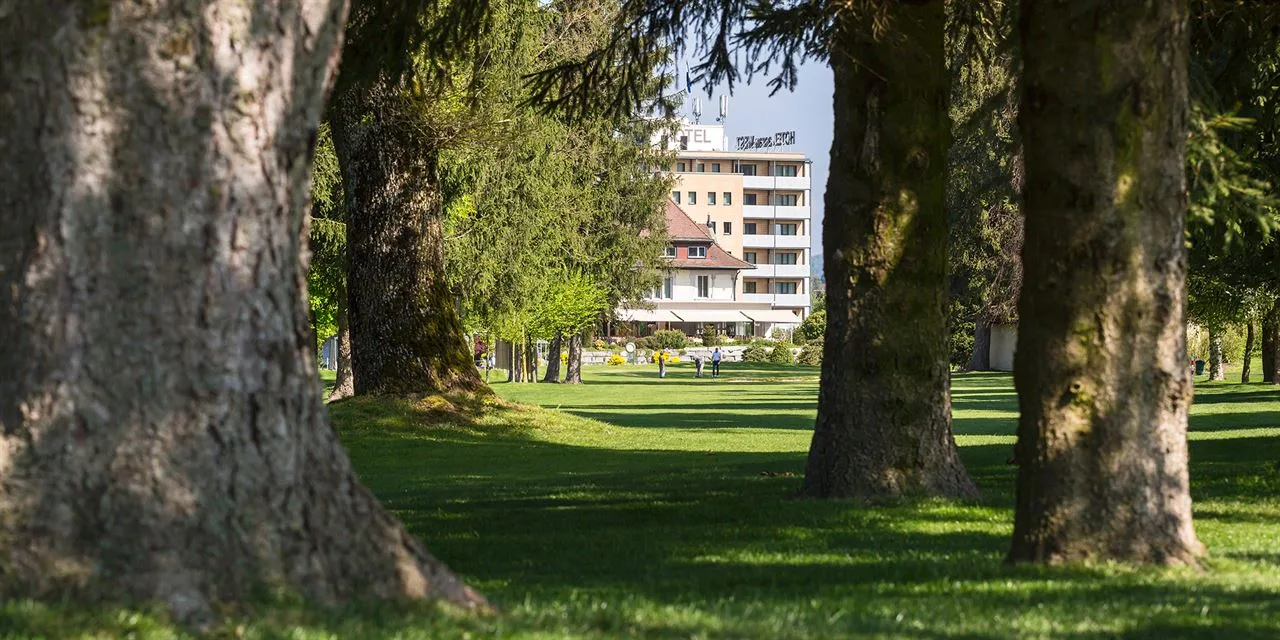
{"x":685,"y":285}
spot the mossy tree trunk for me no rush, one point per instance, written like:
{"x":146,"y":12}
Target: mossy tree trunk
{"x":344,"y":382}
{"x":884,"y":419}
{"x":1217,"y":370}
{"x":981,"y":358}
{"x":1271,"y":345}
{"x":574,"y":373}
{"x":553,"y":360}
{"x":162,"y":431}
{"x":405,"y":333}
{"x":1246,"y":363}
{"x":1101,"y":368}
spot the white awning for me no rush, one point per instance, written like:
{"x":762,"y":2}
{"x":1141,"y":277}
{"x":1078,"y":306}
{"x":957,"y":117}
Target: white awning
{"x":773,"y":315}
{"x":647,"y":315}
{"x":710,"y":315}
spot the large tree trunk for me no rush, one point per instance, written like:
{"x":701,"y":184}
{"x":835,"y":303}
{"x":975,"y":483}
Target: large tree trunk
{"x":1216,"y":369}
{"x":1271,"y":345}
{"x":531,"y":361}
{"x":517,"y":361}
{"x":344,"y":383}
{"x":981,"y":358}
{"x":884,"y":415}
{"x":1101,"y":368}
{"x":1246,"y":363}
{"x":162,"y":431}
{"x":574,"y":374}
{"x":553,"y":360}
{"x":405,"y":332}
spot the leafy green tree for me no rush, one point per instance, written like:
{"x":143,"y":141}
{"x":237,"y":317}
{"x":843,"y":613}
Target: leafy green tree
{"x":327,"y":274}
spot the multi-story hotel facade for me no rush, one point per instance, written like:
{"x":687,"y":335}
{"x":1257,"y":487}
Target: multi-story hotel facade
{"x":749,"y":271}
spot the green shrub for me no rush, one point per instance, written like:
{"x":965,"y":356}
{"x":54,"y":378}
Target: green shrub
{"x":755,"y":353}
{"x":709,"y":336}
{"x":616,"y":360}
{"x":811,"y":355}
{"x":671,"y":339}
{"x":781,"y":354}
{"x":648,"y":343}
{"x":600,"y":345}
{"x":813,"y":327}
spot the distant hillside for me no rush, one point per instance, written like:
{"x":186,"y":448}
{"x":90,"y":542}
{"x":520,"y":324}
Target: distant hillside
{"x":815,"y":268}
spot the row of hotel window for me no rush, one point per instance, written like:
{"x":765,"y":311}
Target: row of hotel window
{"x":781,"y":257}
{"x":703,"y":284}
{"x":781,"y":171}
{"x":749,"y":199}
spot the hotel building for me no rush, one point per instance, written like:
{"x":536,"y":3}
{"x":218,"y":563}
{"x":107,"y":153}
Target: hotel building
{"x":739,"y":225}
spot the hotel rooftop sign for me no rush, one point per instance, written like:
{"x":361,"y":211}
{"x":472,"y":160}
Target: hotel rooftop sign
{"x":779,"y":139}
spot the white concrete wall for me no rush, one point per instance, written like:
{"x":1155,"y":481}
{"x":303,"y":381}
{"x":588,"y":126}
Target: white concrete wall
{"x":1004,"y":342}
{"x":684,"y":286}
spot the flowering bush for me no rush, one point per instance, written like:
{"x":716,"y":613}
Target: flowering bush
{"x":616,"y":359}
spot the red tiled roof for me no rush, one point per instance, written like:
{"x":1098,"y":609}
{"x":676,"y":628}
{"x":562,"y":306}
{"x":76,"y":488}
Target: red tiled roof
{"x":682,"y":229}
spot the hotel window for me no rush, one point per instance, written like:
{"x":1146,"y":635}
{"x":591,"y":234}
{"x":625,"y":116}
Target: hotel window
{"x":786,"y":200}
{"x":697,"y":252}
{"x":711,"y":197}
{"x":749,"y":256}
{"x":715,"y":167}
{"x":749,"y":286}
{"x":784,"y":287}
{"x":704,"y":287}
{"x":747,"y":169}
{"x":669,"y":252}
{"x":786,"y":229}
{"x":785,"y":170}
{"x":728,"y":198}
{"x":748,"y":228}
{"x":680,"y":166}
{"x":749,"y":199}
{"x":784,"y":258}
{"x":663,"y":290}
{"x":701,"y":167}
{"x":728,"y":228}
{"x":675,"y":195}
{"x":693,"y":197}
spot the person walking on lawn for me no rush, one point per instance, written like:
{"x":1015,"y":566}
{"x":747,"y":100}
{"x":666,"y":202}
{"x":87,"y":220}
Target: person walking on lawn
{"x":715,"y":363}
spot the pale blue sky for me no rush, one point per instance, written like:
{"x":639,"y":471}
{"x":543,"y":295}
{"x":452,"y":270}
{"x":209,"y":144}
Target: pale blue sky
{"x":807,"y":111}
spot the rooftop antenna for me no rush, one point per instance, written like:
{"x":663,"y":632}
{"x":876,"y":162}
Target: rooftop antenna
{"x":724,"y":108}
{"x":697,"y":109}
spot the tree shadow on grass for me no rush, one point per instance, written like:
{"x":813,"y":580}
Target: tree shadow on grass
{"x":565,"y":528}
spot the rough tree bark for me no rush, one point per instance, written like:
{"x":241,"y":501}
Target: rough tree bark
{"x":981,"y":358}
{"x":344,"y":383}
{"x":1271,"y":345}
{"x":574,"y":373}
{"x":405,"y":332}
{"x":553,"y":360}
{"x":884,"y":417}
{"x":1216,"y":369}
{"x":1246,"y":363}
{"x":531,"y":361}
{"x":517,"y":362}
{"x":1101,"y":368}
{"x":162,"y":431}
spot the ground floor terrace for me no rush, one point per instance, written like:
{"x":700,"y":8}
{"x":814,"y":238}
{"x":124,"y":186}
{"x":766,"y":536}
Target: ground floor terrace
{"x":730,"y":322}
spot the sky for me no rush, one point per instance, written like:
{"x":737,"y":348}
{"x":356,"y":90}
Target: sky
{"x":807,"y":111}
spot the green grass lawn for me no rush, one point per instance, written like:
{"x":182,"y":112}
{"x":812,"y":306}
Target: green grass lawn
{"x":633,"y":506}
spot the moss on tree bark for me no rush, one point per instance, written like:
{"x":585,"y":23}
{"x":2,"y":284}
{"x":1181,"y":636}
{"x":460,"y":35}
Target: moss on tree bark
{"x":884,"y":419}
{"x":1101,"y":368}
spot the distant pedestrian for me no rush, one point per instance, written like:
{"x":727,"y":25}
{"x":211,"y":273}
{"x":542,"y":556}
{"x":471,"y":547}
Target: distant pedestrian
{"x":662,"y":364}
{"x":715,"y":363}
{"x":697,"y":366}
